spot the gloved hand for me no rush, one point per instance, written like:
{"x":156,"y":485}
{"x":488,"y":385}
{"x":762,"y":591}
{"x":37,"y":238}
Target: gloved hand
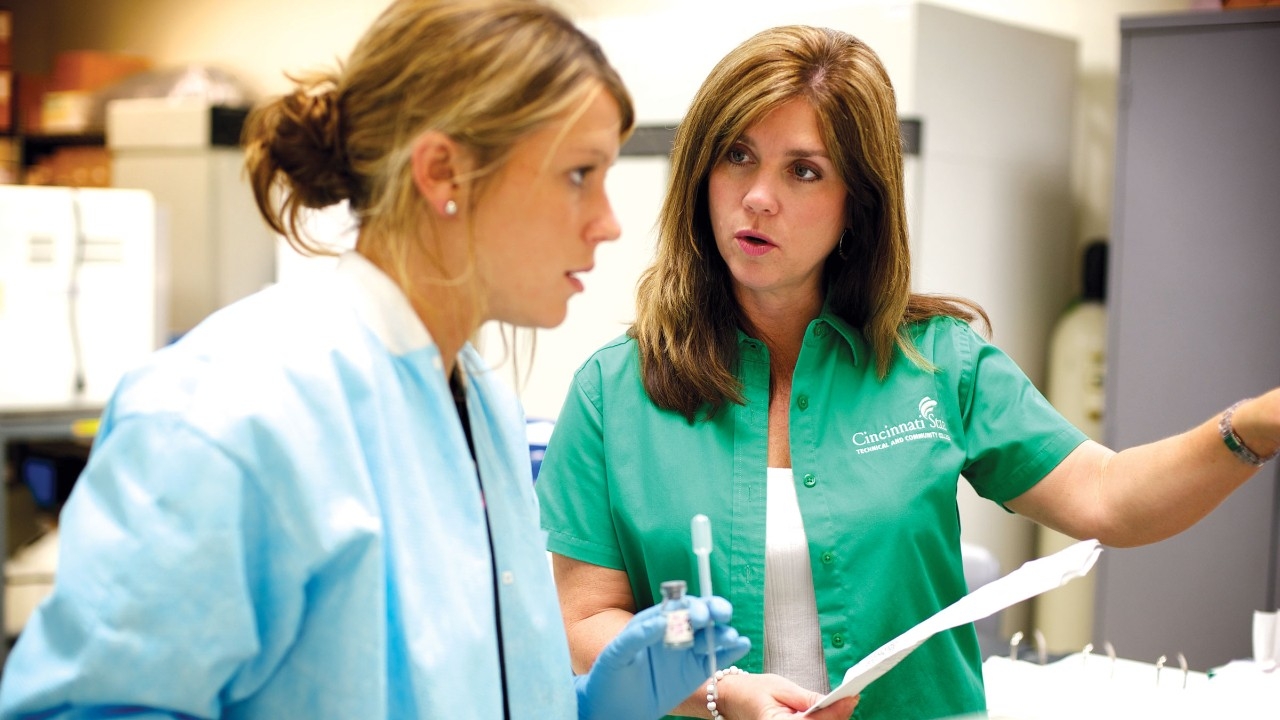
{"x":636,"y":676}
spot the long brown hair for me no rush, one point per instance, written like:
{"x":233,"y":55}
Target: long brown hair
{"x":687,"y":317}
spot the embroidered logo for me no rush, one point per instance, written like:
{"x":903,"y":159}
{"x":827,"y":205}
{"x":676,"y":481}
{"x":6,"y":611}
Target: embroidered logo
{"x":927,"y":404}
{"x":925,"y":426}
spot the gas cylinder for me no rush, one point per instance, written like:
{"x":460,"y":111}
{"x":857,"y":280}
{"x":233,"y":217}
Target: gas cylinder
{"x":1076,"y":373}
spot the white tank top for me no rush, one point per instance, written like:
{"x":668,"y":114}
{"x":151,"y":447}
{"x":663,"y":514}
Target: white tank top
{"x":792,"y":637}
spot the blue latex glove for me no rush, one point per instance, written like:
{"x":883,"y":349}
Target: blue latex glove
{"x":636,"y":676}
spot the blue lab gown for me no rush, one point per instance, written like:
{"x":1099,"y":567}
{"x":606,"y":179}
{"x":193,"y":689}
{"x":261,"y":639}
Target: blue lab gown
{"x":281,"y":519}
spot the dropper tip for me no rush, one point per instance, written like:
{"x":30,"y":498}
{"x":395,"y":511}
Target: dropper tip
{"x":701,"y":534}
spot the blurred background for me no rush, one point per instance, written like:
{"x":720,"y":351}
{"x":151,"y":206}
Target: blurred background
{"x":1099,"y":175}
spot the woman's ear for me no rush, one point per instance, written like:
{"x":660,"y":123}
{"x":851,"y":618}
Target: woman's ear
{"x":437,"y":163}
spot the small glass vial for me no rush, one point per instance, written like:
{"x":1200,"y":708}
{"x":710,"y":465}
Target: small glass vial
{"x":675,"y":608}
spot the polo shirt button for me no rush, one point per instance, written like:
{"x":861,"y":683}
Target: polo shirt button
{"x":802,"y":402}
{"x":810,"y":480}
{"x":837,"y":640}
{"x":828,"y":557}
{"x":821,"y":330}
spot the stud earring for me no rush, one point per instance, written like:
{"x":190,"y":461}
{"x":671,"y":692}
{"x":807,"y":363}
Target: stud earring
{"x":450,"y":208}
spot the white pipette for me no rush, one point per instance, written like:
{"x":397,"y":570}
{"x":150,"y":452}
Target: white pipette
{"x":702,"y":548}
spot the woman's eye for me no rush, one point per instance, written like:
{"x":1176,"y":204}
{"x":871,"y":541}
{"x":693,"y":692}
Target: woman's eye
{"x":806,"y":173}
{"x":736,"y":156}
{"x":578,"y":176}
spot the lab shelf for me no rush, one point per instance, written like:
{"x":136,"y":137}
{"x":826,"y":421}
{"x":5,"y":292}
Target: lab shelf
{"x":17,"y":425}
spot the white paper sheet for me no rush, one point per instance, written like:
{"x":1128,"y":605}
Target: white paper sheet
{"x":1033,"y":578}
{"x":1266,"y":638}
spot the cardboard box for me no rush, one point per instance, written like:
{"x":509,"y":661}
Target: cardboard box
{"x":8,"y":161}
{"x":6,"y":38}
{"x":91,"y":70}
{"x":66,"y":112}
{"x":28,"y":96}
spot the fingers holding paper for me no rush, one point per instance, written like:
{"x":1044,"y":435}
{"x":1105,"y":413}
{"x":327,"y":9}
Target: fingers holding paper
{"x":773,"y":697}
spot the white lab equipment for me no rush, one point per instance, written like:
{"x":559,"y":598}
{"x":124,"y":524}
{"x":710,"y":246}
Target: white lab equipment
{"x":186,"y":152}
{"x":1105,"y":687}
{"x":80,"y":302}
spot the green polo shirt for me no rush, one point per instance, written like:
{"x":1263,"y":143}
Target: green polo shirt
{"x":876,"y":466}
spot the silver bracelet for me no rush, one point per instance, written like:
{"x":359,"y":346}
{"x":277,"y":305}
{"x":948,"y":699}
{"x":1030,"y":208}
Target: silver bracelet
{"x":713,"y":692}
{"x":1235,"y":444}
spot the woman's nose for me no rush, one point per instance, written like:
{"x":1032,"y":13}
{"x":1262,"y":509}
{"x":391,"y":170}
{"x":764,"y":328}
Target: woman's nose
{"x":760,"y":197}
{"x":606,"y":226}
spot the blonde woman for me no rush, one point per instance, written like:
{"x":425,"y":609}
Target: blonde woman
{"x":318,"y":503}
{"x":782,"y":379}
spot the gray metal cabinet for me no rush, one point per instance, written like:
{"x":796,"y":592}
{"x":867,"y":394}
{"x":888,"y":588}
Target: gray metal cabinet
{"x":1195,"y":315}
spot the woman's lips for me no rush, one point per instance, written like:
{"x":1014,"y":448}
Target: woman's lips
{"x":572,"y":275}
{"x":753,"y":243}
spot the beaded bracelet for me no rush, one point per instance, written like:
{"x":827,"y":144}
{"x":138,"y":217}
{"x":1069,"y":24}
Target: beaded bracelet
{"x":713,"y":692}
{"x":1235,"y":444}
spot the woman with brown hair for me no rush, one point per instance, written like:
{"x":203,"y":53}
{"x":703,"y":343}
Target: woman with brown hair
{"x":318,"y":503}
{"x":782,"y":379}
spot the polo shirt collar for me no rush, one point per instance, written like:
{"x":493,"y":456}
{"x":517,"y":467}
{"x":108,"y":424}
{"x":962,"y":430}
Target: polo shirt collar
{"x":851,"y":335}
